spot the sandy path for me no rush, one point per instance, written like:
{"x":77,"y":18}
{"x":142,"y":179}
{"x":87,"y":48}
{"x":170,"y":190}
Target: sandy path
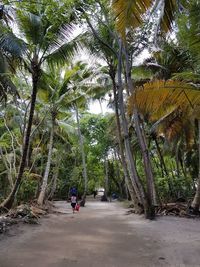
{"x":101,"y":235}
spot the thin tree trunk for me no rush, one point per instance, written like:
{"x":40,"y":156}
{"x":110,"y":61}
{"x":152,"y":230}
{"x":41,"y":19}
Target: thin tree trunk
{"x":160,"y":155}
{"x":196,"y":201}
{"x":151,"y":193}
{"x":138,"y":188}
{"x":119,"y":135}
{"x":8,"y":202}
{"x":147,"y":163}
{"x":106,"y":179}
{"x":117,"y":181}
{"x":100,"y":104}
{"x":82,"y":153}
{"x":8,"y":171}
{"x":54,"y":184}
{"x":43,"y":190}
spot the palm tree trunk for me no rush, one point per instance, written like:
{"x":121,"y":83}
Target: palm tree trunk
{"x":151,"y":192}
{"x":82,"y":153}
{"x":8,"y":170}
{"x":138,"y":187}
{"x":117,"y":180}
{"x":119,"y":135}
{"x":100,"y":104}
{"x":196,"y":201}
{"x":106,"y":179}
{"x":54,"y":184}
{"x":43,"y":190}
{"x":160,"y":156}
{"x":8,"y":202}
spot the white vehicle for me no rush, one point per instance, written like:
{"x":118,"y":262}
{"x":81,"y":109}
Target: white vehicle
{"x":100,"y":191}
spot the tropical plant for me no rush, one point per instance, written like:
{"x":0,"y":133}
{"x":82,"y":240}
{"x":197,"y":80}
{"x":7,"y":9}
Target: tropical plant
{"x":43,"y":42}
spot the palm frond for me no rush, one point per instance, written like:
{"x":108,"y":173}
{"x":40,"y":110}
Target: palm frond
{"x":168,"y":15}
{"x":63,"y":53}
{"x":66,"y":131}
{"x":31,"y":25}
{"x":13,"y":45}
{"x":129,"y":13}
{"x":187,"y":76}
{"x":7,"y":87}
{"x":160,"y":95}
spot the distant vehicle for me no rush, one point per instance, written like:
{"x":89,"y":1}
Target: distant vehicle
{"x":100,"y":191}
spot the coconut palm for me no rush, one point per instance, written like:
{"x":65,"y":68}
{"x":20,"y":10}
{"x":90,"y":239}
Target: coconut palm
{"x":130,"y":14}
{"x":52,"y":93}
{"x":173,"y":105}
{"x":44,"y":42}
{"x":63,"y":90}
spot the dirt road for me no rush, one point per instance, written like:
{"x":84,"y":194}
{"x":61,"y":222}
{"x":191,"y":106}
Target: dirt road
{"x":101,"y":235}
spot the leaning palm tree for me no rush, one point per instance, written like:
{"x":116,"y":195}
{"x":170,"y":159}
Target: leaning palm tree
{"x":62,"y":90}
{"x":172,"y":105}
{"x":45,"y":42}
{"x":130,"y":15}
{"x":53,"y":92}
{"x":80,"y":85}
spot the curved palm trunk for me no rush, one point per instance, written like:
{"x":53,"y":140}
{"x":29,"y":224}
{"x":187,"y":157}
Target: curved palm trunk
{"x":119,"y":135}
{"x":8,"y":202}
{"x":196,"y":201}
{"x":43,"y":190}
{"x":151,"y":192}
{"x":82,"y":153}
{"x":137,"y":185}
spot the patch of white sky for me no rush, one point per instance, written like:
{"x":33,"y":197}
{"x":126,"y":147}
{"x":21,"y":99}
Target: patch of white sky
{"x":95,"y":107}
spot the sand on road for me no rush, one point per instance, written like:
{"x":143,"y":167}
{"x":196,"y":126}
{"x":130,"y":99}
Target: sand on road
{"x":102,"y":235}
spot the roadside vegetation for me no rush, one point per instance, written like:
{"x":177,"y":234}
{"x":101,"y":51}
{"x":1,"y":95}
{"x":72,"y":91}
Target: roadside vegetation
{"x":146,"y":148}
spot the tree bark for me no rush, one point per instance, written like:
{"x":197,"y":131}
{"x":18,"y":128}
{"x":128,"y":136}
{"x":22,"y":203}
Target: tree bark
{"x":106,"y":179}
{"x":82,"y":153}
{"x":8,"y":202}
{"x":137,"y":185}
{"x":151,"y":192}
{"x":196,"y":201}
{"x":43,"y":190}
{"x":128,"y":181}
{"x":54,"y":184}
{"x":160,"y":155}
{"x":8,"y":170}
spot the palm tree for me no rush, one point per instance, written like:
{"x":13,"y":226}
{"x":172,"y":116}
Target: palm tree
{"x":65,"y":89}
{"x":104,"y":44}
{"x":45,"y":42}
{"x":53,"y":94}
{"x":172,"y":105}
{"x":79,"y":82}
{"x":130,"y":14}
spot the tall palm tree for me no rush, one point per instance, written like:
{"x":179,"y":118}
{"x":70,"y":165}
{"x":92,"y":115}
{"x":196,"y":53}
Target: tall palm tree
{"x":53,"y":93}
{"x":65,"y":89}
{"x":45,"y":42}
{"x":178,"y":105}
{"x":80,"y":85}
{"x":103,"y":42}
